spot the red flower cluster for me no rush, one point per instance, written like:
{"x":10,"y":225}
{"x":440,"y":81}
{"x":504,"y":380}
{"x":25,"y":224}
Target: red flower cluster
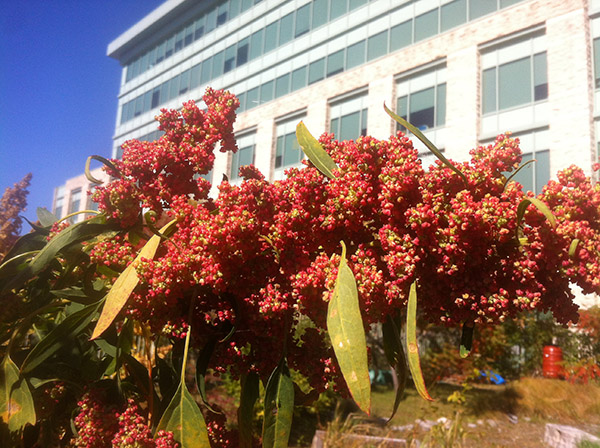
{"x":261,"y":258}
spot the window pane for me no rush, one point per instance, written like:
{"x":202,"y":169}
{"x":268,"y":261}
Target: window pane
{"x":174,"y":87}
{"x":271,"y":36}
{"x":542,"y":170}
{"x":279,"y":152}
{"x":189,"y":35}
{"x":302,"y":20}
{"x":514,"y":83}
{"x":597,"y":61}
{"x":299,"y":78}
{"x":335,"y":63}
{"x":164,"y":92}
{"x":505,"y":3}
{"x":540,"y":77}
{"x":356,"y":3}
{"x":286,"y":28}
{"x":338,"y":8}
{"x":217,"y":64}
{"x":242,"y":51}
{"x":252,"y":98}
{"x":478,"y":8}
{"x":440,"y":112}
{"x":199,"y":32}
{"x":222,"y":14}
{"x":316,"y":70}
{"x":206,"y":71}
{"x":525,"y":176}
{"x":229,"y":59}
{"x":488,"y":96}
{"x":334,"y":126}
{"x":422,"y":108}
{"x":363,"y":122}
{"x":242,"y":98}
{"x":282,"y":85}
{"x":402,"y":111}
{"x":319,"y":13}
{"x":234,"y":8}
{"x":377,"y":45}
{"x":256,"y":44}
{"x":246,"y":4}
{"x":211,"y":21}
{"x":350,"y":126}
{"x":246,"y":155}
{"x":355,"y":54}
{"x":184,"y":82}
{"x":170,"y":46}
{"x":195,"y":76}
{"x":292,"y":153}
{"x":401,"y":36}
{"x":426,"y":25}
{"x":266,"y":92}
{"x":453,"y":14}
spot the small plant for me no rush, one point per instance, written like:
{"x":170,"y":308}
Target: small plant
{"x":446,"y":434}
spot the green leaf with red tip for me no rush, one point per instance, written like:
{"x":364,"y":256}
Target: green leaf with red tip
{"x":125,"y":284}
{"x":466,"y":340}
{"x":182,"y":416}
{"x":279,"y":407}
{"x":347,"y":333}
{"x":394,"y":352}
{"x":315,"y":152}
{"x":249,"y":395}
{"x":411,"y":344}
{"x":16,"y":403}
{"x":426,"y":142}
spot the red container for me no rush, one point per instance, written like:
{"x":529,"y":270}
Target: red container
{"x":551,"y":365}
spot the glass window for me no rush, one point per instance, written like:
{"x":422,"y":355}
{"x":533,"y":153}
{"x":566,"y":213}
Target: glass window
{"x":271,"y":36}
{"x":288,"y":151}
{"x":422,"y":109}
{"x":349,"y":126}
{"x":377,"y":45}
{"x":488,"y":98}
{"x":217,"y":64}
{"x":302,"y":20}
{"x":242,"y":99}
{"x":540,"y":77}
{"x":256,"y":44}
{"x":356,"y":3}
{"x":478,"y":8}
{"x":234,"y":8}
{"x":164,"y":92}
{"x":244,"y":156}
{"x":299,"y":78}
{"x":206,"y":70}
{"x":252,"y":98}
{"x":211,"y":20}
{"x":189,"y":35}
{"x":319,"y":12}
{"x":426,"y":25}
{"x":222,"y":13}
{"x":174,"y":87}
{"x":155,"y":98}
{"x":534,"y":176}
{"x":229,"y":63}
{"x":160,"y":52}
{"x":58,"y":206}
{"x":401,"y":35}
{"x":179,"y":41}
{"x":514,"y":83}
{"x":247,"y":4}
{"x":147,"y":101}
{"x":195,"y":76}
{"x":316,"y":71}
{"x":199,"y":32}
{"x":440,"y":112}
{"x":355,"y":54}
{"x":266,"y":92}
{"x":282,"y":85}
{"x":335,"y":63}
{"x":286,"y":28}
{"x":338,"y":8}
{"x":139,"y":104}
{"x":170,"y":47}
{"x":453,"y":14}
{"x":242,"y":51}
{"x":506,"y":3}
{"x":184,"y":82}
{"x":597,"y":62}
{"x":75,"y":200}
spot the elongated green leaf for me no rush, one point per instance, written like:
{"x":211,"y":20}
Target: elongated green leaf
{"x":16,"y":402}
{"x":345,"y":326}
{"x":13,"y":265}
{"x":73,"y":234}
{"x":425,"y":141}
{"x":411,"y":343}
{"x":45,"y":217}
{"x":125,"y":284}
{"x":279,"y":407}
{"x":394,"y":352}
{"x":517,"y":171}
{"x":248,"y":396}
{"x":539,"y":205}
{"x":573,"y":248}
{"x":315,"y":152}
{"x":182,"y":416}
{"x":68,"y":329}
{"x":466,"y":339}
{"x":106,"y":162}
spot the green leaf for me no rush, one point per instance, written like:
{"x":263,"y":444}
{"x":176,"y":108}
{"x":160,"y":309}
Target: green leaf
{"x":125,"y":284}
{"x":183,"y":417}
{"x":248,"y":396}
{"x":517,"y":171}
{"x":573,"y":248}
{"x":106,"y":162}
{"x":279,"y":407}
{"x":315,"y":152}
{"x":66,"y":331}
{"x":394,"y":352}
{"x":466,"y":339}
{"x":45,"y":217}
{"x":73,"y":234}
{"x":16,"y":403}
{"x":426,"y":142}
{"x":539,"y":205}
{"x":345,"y":326}
{"x":411,"y":343}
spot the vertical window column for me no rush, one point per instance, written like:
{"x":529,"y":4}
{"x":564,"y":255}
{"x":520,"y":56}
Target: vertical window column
{"x":244,"y":156}
{"x":349,"y":117}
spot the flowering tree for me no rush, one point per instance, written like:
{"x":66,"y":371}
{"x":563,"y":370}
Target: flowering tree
{"x":12,"y":202}
{"x":270,"y":277}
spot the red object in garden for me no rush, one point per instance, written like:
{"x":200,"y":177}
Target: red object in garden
{"x":552,"y":363}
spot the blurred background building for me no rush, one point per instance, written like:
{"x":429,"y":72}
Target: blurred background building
{"x":461,"y":70}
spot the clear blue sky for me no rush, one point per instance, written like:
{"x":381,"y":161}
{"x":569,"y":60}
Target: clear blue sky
{"x":58,"y":89}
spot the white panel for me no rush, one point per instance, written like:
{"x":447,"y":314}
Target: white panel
{"x":515,"y":119}
{"x":425,"y":5}
{"x":383,"y":23}
{"x":514,"y":52}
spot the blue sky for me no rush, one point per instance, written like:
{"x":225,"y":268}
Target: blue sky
{"x":58,"y":89}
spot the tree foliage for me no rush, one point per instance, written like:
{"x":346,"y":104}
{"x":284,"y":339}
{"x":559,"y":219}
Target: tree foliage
{"x":12,"y":203}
